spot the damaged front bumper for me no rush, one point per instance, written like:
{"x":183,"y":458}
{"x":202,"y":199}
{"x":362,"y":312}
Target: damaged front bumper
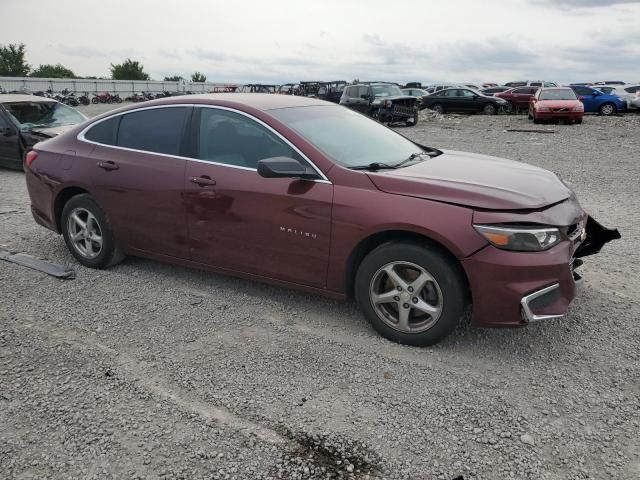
{"x":532,"y":286}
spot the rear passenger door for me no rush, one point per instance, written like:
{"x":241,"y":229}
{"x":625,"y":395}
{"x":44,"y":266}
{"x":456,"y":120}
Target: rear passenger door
{"x":138,"y":177}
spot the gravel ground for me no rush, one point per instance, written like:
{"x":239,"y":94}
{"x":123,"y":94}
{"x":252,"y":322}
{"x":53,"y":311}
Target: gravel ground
{"x":151,"y":371}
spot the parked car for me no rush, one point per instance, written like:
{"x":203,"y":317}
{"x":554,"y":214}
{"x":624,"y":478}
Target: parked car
{"x":26,"y":120}
{"x":530,"y":83}
{"x":608,"y":82}
{"x":417,"y":93}
{"x":331,"y":91}
{"x":307,"y":194}
{"x":443,"y":86}
{"x":556,"y":104}
{"x":463,"y":100}
{"x":490,"y":91}
{"x":596,"y":101}
{"x":628,"y":92}
{"x":383,"y":101}
{"x":517,"y":98}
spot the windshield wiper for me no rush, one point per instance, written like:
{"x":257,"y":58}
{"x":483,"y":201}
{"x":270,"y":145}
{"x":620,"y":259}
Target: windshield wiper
{"x":374,"y":167}
{"x":410,"y":158}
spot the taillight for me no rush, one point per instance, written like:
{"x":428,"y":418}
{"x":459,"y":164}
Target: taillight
{"x":30,"y":157}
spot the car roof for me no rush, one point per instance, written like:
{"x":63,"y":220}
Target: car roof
{"x":259,"y":101}
{"x":20,"y":98}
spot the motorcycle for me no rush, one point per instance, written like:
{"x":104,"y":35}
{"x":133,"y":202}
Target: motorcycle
{"x":84,"y":99}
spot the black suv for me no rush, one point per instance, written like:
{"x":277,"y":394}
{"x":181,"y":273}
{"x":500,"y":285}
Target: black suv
{"x":383,"y":101}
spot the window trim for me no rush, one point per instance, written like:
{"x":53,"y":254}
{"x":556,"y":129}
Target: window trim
{"x":81,"y":137}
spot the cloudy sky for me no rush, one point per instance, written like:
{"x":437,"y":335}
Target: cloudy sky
{"x":284,"y":41}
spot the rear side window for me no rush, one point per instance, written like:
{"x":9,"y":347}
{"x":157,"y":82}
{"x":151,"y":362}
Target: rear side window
{"x":157,"y":130}
{"x":632,"y":89}
{"x":582,"y":90}
{"x":104,"y":132}
{"x":351,"y":92}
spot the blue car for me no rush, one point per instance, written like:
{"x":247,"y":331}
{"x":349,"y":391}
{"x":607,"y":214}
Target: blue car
{"x":596,"y":101}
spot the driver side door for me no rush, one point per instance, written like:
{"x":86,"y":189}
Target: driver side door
{"x":9,"y":143}
{"x":272,"y":227}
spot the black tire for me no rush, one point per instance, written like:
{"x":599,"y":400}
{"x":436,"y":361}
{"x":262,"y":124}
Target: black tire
{"x":438,"y":108}
{"x":109,"y":254}
{"x":578,"y":121}
{"x":529,"y":116}
{"x":535,"y":120}
{"x":489,"y":109}
{"x":412,"y":123}
{"x":443,"y":269}
{"x":94,"y":100}
{"x":510,"y":107}
{"x":607,"y":109}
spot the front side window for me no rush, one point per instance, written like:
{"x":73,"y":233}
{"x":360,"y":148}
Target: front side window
{"x":233,"y":139}
{"x":347,"y":137}
{"x":582,"y":90}
{"x":468,"y":93}
{"x":157,"y":130}
{"x":452,"y":93}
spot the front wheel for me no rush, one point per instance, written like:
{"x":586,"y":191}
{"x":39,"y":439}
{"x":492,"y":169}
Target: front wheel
{"x":94,"y":100}
{"x":87,"y":233}
{"x":608,"y":109}
{"x":438,"y":108}
{"x":489,"y":109}
{"x":411,"y":293}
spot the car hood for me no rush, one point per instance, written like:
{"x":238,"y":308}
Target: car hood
{"x":473,"y":180}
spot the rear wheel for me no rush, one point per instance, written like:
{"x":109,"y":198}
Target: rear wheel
{"x":94,"y":100}
{"x":489,"y":109}
{"x":411,"y":293}
{"x":87,"y":233}
{"x":608,"y":109}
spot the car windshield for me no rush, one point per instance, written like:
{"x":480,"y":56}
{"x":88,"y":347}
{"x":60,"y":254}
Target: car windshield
{"x":567,"y":94}
{"x":386,"y":91}
{"x":43,"y":114}
{"x":349,"y":138}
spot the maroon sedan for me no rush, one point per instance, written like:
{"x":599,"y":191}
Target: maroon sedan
{"x":517,"y":98}
{"x":307,"y":194}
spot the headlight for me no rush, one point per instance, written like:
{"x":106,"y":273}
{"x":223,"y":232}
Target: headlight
{"x":522,"y":239}
{"x":388,"y":103}
{"x":542,"y":108}
{"x":578,"y":108}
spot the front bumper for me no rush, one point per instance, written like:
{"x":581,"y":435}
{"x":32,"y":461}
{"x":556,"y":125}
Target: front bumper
{"x":555,"y":115}
{"x":511,"y":289}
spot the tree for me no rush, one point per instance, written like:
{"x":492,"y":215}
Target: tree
{"x":198,"y":77}
{"x":12,"y":62}
{"x":128,"y":70}
{"x":52,"y":71}
{"x":175,"y":78}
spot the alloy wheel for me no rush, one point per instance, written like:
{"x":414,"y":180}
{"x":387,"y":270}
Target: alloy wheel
{"x":85,"y":233}
{"x":607,"y":109}
{"x":406,"y":297}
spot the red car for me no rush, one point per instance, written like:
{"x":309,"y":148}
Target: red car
{"x":518,"y":98}
{"x":556,"y":104}
{"x":307,"y":194}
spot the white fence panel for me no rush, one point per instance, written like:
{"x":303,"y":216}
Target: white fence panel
{"x":112,"y":86}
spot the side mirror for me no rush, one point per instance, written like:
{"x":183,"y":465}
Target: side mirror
{"x":581,"y":98}
{"x":284,"y":167}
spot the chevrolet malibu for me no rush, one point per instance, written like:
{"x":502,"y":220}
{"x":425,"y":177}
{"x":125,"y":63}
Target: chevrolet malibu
{"x":304,"y":193}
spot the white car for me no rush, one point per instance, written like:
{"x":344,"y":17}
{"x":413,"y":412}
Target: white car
{"x":629,"y":93}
